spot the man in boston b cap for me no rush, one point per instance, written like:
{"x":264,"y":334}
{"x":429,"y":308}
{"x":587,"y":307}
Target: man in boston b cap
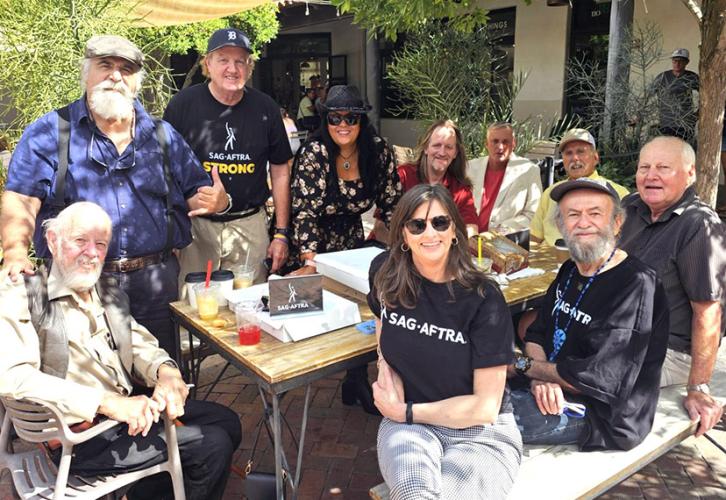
{"x":592,"y":358}
{"x":237,"y":131}
{"x":105,"y":148}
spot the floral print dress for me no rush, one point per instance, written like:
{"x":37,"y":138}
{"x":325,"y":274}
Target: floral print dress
{"x":326,"y":210}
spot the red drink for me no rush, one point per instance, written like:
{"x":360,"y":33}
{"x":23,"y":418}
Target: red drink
{"x":249,"y":334}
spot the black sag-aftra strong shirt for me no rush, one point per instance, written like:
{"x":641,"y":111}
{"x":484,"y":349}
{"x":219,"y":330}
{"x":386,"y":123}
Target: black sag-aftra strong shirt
{"x":614,"y":350}
{"x":239,"y":140}
{"x":436,"y":346}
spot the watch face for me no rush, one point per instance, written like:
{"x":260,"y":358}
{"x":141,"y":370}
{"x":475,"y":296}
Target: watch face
{"x":520,"y":364}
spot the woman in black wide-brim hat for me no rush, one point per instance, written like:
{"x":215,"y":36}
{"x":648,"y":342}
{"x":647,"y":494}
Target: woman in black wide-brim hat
{"x":340,"y":173}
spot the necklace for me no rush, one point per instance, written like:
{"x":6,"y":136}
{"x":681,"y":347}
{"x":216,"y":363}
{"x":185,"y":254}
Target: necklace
{"x":560,"y":335}
{"x":346,"y":160}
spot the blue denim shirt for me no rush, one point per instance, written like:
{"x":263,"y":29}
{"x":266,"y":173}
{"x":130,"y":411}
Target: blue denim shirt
{"x":129,"y":186}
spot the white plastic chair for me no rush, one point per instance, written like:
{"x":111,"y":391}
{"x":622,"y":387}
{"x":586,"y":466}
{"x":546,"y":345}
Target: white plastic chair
{"x":36,"y":476}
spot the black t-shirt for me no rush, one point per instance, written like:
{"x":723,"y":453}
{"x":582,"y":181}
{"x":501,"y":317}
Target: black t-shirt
{"x":239,"y":140}
{"x":436,"y":346}
{"x":614,"y":349}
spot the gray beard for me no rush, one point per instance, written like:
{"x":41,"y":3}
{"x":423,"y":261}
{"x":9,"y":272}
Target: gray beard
{"x":584,"y":253}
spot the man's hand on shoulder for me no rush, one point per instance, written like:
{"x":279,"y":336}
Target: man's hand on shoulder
{"x":171,"y":391}
{"x":703,"y":407}
{"x":139,"y":412}
{"x":15,"y":266}
{"x":549,"y":397}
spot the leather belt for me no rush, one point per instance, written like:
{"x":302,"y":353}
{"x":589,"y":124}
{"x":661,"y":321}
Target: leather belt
{"x":233,"y":215}
{"x":134,"y":264}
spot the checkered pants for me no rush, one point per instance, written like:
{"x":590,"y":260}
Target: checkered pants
{"x":430,"y":462}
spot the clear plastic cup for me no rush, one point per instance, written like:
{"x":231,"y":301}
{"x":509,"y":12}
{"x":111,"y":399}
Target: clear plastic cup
{"x":244,"y":276}
{"x":484,"y":264}
{"x":207,"y":300}
{"x":248,"y":325}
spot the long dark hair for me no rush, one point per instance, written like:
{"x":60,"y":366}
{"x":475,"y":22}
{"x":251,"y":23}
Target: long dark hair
{"x":367,"y":150}
{"x":398,"y":281}
{"x":458,"y":164}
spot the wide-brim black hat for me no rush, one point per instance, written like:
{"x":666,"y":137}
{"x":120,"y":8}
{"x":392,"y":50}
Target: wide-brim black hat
{"x":345,"y":98}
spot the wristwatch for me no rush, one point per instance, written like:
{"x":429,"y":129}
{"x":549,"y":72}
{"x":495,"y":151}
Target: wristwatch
{"x":522,"y":363}
{"x":704,"y":388}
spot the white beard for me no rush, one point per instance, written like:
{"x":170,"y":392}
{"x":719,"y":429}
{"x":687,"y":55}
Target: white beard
{"x":74,"y":277}
{"x":111,"y":101}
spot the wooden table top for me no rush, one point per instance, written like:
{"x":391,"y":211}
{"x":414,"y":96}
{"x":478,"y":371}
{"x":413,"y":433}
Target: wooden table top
{"x":275,"y":361}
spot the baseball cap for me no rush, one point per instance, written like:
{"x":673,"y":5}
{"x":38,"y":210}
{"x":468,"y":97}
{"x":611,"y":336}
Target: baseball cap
{"x":681,"y":53}
{"x":228,"y":37}
{"x":116,"y":46}
{"x":584,"y":183}
{"x":577,"y":134}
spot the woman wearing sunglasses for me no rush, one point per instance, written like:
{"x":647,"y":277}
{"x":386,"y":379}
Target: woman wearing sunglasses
{"x":338,"y":175}
{"x":441,"y":159}
{"x":445,"y":338}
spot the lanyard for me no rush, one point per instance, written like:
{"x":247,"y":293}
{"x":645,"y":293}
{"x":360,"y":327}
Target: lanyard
{"x":560,"y":335}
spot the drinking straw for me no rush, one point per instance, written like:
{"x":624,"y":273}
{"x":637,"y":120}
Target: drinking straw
{"x":209,"y":273}
{"x":247,"y":258}
{"x":479,"y":245}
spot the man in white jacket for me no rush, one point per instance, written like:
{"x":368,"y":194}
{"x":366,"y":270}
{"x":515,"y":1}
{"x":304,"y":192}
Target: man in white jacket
{"x":506,"y":187}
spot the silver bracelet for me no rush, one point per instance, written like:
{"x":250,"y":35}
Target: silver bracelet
{"x":229,"y":205}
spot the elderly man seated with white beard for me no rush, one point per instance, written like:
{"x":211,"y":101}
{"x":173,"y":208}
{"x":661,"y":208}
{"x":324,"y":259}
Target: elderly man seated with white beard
{"x":593,"y":356}
{"x":68,"y":339}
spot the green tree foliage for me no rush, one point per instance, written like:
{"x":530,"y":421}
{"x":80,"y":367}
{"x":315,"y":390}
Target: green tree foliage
{"x":391,"y":17}
{"x":442,"y":72}
{"x":42,"y":43}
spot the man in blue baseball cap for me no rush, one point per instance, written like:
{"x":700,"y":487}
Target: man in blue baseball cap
{"x":239,"y":131}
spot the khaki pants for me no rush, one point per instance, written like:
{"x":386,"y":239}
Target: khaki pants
{"x":677,"y":366}
{"x":227,"y":245}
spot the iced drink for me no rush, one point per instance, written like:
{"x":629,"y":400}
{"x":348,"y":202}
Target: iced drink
{"x":243,"y":277}
{"x":207,"y":301}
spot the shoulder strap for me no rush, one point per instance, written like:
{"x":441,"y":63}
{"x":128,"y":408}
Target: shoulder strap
{"x":161,"y":137}
{"x":58,"y":201}
{"x":48,"y":323}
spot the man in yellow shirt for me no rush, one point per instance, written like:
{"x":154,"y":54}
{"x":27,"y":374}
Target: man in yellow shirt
{"x":579,"y":156}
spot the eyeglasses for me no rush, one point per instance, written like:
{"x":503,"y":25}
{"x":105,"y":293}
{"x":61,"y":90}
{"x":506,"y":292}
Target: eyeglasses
{"x":91,"y":156}
{"x":417,"y":226}
{"x":336,"y":119}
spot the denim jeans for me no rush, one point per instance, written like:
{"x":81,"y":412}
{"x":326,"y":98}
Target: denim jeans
{"x":544,"y":429}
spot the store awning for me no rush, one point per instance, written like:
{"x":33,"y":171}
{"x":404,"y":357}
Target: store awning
{"x":169,"y":12}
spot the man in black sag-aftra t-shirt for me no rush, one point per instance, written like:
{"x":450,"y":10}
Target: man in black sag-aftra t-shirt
{"x":237,"y":130}
{"x":594,"y":354}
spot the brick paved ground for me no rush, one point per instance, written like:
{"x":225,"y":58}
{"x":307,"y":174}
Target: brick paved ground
{"x":340,"y":455}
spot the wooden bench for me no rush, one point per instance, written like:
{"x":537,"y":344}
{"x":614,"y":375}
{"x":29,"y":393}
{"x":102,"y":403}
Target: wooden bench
{"x":562,"y":473}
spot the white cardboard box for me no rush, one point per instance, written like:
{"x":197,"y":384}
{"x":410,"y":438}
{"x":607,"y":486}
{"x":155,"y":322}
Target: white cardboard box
{"x":337,"y":313}
{"x":349,"y":267}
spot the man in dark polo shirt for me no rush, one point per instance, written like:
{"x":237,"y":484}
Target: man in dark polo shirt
{"x":669,"y":228}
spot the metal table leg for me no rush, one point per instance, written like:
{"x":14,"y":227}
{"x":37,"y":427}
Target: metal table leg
{"x":277,"y":438}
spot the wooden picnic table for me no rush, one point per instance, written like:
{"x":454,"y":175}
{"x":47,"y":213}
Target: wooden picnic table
{"x":278,"y":367}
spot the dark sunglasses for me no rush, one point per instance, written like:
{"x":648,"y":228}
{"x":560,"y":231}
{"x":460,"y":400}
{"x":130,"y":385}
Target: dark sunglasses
{"x":417,"y":226}
{"x":336,"y":119}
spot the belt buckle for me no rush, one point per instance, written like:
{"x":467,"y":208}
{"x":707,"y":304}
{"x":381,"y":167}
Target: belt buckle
{"x":122,"y":263}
